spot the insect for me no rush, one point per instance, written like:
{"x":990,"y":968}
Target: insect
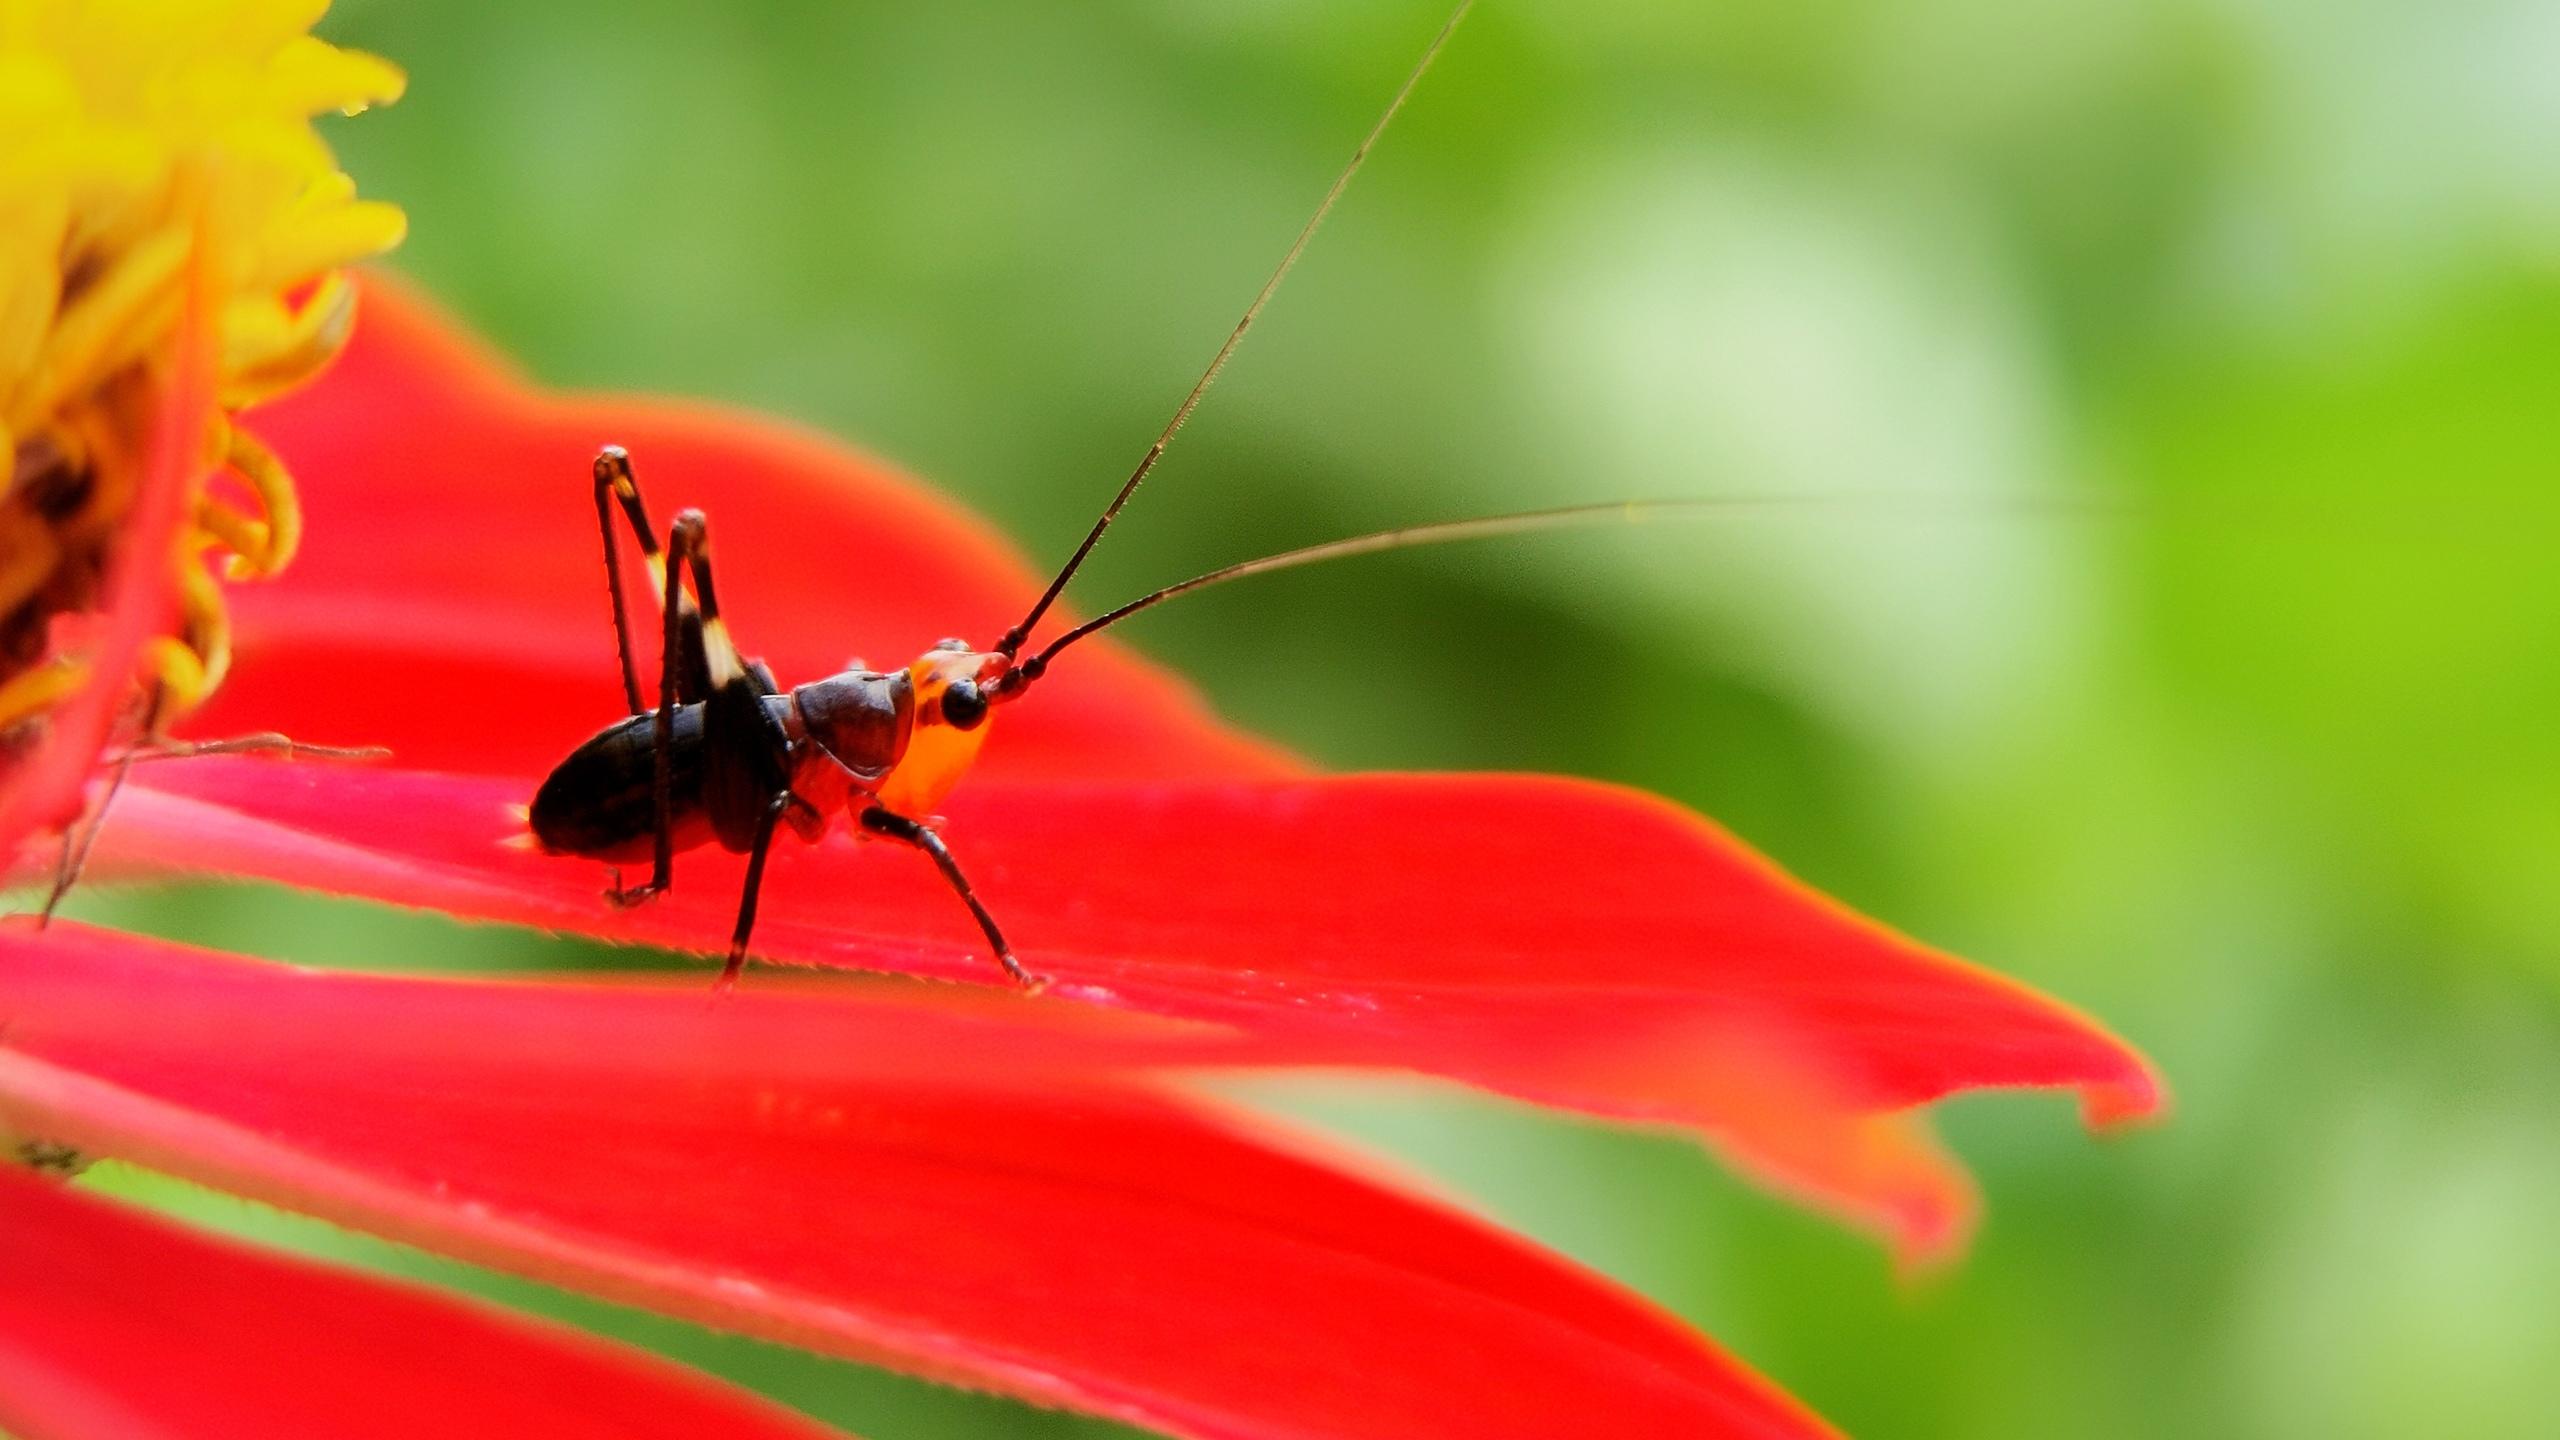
{"x":727,"y":754}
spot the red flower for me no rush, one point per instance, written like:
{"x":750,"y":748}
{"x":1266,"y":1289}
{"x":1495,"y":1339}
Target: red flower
{"x":1003,"y":1192}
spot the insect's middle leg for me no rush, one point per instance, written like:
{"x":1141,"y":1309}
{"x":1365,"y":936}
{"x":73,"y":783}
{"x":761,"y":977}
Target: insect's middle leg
{"x":774,"y":810}
{"x":923,"y":837}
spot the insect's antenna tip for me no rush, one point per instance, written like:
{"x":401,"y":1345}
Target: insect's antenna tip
{"x":1015,"y":637}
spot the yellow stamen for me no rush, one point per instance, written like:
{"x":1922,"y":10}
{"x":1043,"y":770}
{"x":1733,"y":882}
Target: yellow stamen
{"x":180,"y":674}
{"x":221,"y":522}
{"x":138,"y":139}
{"x":33,"y":692}
{"x":258,"y":467}
{"x":269,"y":348}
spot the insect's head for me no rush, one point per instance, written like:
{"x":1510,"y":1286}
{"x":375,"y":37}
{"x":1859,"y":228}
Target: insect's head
{"x":955,"y":685}
{"x":953,"y":688}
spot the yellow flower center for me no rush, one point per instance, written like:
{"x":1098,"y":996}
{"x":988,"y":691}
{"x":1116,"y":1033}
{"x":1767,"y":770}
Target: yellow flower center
{"x":140,"y":141}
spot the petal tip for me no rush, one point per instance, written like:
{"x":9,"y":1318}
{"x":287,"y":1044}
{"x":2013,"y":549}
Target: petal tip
{"x":2116,"y":1105}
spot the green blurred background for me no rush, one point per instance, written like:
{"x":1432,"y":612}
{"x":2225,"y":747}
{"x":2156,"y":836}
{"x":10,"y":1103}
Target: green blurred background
{"x":2264,"y":773}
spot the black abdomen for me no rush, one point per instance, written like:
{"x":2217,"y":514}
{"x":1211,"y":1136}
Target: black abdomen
{"x":602,"y":799}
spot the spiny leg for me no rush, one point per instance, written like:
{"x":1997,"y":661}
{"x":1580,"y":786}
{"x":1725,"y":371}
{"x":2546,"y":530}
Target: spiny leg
{"x":77,"y":843}
{"x":262,"y":742}
{"x":81,"y":839}
{"x":773,"y":813}
{"x":921,"y":836}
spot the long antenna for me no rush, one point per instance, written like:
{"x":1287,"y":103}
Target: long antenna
{"x":1014,"y":638}
{"x":1632,"y":512}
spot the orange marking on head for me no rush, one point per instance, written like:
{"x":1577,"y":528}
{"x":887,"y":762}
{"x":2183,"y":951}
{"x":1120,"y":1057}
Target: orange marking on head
{"x":939,"y":751}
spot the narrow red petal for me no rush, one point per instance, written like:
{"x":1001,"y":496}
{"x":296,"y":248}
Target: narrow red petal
{"x":1563,"y":941}
{"x":864,"y":1176}
{"x":116,"y":1323}
{"x":455,"y":566}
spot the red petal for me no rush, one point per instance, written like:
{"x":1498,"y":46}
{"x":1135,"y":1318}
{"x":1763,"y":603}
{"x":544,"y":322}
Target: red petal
{"x":1564,"y":941}
{"x":454,"y":564}
{"x":871,"y":1178}
{"x":116,"y":1323}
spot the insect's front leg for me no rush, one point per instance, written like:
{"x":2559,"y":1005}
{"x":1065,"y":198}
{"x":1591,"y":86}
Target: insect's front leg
{"x":898,"y":827}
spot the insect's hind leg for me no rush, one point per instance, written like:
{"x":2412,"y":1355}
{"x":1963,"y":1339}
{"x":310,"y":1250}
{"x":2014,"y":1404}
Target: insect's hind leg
{"x":923,"y":837}
{"x":690,"y":628}
{"x":681,"y":540}
{"x":617,"y":486}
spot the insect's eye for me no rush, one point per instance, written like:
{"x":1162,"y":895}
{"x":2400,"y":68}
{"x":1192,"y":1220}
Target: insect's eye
{"x":964,"y":705}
